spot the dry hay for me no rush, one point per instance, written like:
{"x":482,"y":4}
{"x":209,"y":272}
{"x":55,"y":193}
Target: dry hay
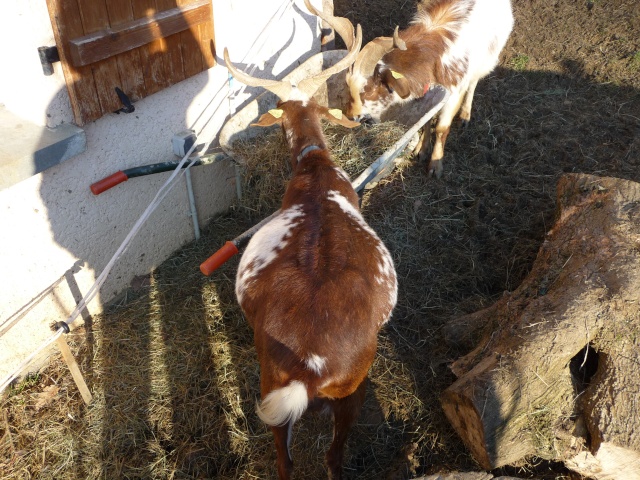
{"x":267,"y":169}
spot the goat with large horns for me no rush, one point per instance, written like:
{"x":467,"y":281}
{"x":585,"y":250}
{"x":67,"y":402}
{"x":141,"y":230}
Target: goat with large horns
{"x":315,"y":283}
{"x":453,"y":43}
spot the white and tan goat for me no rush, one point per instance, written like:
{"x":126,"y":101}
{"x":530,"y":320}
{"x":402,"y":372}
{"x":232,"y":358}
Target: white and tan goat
{"x":453,"y":43}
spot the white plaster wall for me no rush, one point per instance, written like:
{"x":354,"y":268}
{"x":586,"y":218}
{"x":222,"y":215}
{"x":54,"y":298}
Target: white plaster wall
{"x":273,"y":48}
{"x":25,"y":91}
{"x":51,"y":221}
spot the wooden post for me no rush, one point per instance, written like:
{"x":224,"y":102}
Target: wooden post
{"x":75,"y":370}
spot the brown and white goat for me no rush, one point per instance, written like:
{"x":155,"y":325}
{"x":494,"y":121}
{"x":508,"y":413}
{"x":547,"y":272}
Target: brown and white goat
{"x":315,"y":283}
{"x":453,"y":43}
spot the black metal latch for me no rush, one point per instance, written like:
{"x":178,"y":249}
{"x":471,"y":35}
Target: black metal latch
{"x":128,"y":106}
{"x":48,"y":55}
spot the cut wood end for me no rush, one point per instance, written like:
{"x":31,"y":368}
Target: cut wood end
{"x":463,"y":416}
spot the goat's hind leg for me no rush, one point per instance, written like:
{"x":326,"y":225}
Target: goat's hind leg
{"x":345,"y":414}
{"x":281,"y":437}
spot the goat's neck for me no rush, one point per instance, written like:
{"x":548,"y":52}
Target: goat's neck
{"x":301,"y":144}
{"x":314,"y":176}
{"x":302,"y":128}
{"x":305,"y":150}
{"x":311,"y":158}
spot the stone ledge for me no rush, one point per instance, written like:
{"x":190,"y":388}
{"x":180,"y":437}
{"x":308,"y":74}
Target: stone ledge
{"x":27,"y":149}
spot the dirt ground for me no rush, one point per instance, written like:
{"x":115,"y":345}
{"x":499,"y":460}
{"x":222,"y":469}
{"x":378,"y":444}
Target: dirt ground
{"x":175,"y":391}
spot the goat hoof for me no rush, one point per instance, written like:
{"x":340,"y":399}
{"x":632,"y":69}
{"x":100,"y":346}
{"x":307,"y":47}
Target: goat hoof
{"x":422,"y":156}
{"x":435,"y":168}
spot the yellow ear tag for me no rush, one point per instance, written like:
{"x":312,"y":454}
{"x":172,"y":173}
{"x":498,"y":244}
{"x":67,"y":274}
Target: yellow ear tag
{"x":396,"y":75}
{"x":336,"y":112}
{"x":276,"y":112}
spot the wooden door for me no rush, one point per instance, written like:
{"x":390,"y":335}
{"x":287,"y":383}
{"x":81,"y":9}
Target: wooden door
{"x":138,"y":46}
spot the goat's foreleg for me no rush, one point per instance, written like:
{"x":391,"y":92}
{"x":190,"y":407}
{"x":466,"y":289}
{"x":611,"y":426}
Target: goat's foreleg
{"x":345,"y":414}
{"x":442,"y":131}
{"x":423,"y":147}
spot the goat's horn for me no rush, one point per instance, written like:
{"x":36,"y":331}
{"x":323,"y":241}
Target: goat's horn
{"x":341,"y":25}
{"x":397,"y":41}
{"x":373,"y":52}
{"x":309,"y":86}
{"x":281,"y":88}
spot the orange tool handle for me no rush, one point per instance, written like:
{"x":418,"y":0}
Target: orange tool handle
{"x":214,"y":262}
{"x":106,"y":183}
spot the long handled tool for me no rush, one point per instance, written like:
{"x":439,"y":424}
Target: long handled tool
{"x":124,"y":175}
{"x":232,"y":247}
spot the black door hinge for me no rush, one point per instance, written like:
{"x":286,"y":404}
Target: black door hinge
{"x":48,"y":56}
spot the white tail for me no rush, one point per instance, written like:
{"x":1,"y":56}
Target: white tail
{"x":284,"y":405}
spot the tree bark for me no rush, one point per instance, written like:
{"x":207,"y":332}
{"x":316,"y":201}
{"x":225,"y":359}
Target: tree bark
{"x":528,"y":386}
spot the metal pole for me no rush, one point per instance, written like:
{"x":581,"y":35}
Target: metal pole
{"x":192,"y":204}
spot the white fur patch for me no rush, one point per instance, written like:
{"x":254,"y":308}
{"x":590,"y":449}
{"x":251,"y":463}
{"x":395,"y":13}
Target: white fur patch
{"x":393,"y":298}
{"x":265,"y":246}
{"x":386,"y":265}
{"x":349,"y":209}
{"x":476,"y":46}
{"x":316,"y":363}
{"x":387,"y":276}
{"x":299,"y":95}
{"x":345,"y":205}
{"x":284,"y":405}
{"x":376,"y":108}
{"x":342,"y":174}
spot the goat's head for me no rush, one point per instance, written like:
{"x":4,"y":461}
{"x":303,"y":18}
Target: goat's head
{"x":297,"y":112}
{"x":301,"y":123}
{"x":372,"y":86}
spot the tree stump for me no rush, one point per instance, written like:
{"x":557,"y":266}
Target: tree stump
{"x":555,"y":373}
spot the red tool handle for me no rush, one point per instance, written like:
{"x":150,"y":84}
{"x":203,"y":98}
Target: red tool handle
{"x":106,"y":183}
{"x":214,"y":262}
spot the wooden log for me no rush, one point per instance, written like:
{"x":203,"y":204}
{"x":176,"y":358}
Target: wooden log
{"x":610,"y":405}
{"x":526,"y":388}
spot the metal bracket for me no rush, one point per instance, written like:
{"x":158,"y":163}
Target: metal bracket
{"x":48,"y":56}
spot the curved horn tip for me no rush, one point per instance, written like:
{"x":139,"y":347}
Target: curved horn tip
{"x":311,"y":8}
{"x":397,"y":41}
{"x":225,"y":55}
{"x":359,"y":33}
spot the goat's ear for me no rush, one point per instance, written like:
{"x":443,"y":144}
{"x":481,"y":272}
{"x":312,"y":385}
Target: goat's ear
{"x":396,"y":82}
{"x":336,"y":116}
{"x":272,"y":117}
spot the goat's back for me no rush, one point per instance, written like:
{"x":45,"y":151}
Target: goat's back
{"x":316,"y":284}
{"x":465,"y":37}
